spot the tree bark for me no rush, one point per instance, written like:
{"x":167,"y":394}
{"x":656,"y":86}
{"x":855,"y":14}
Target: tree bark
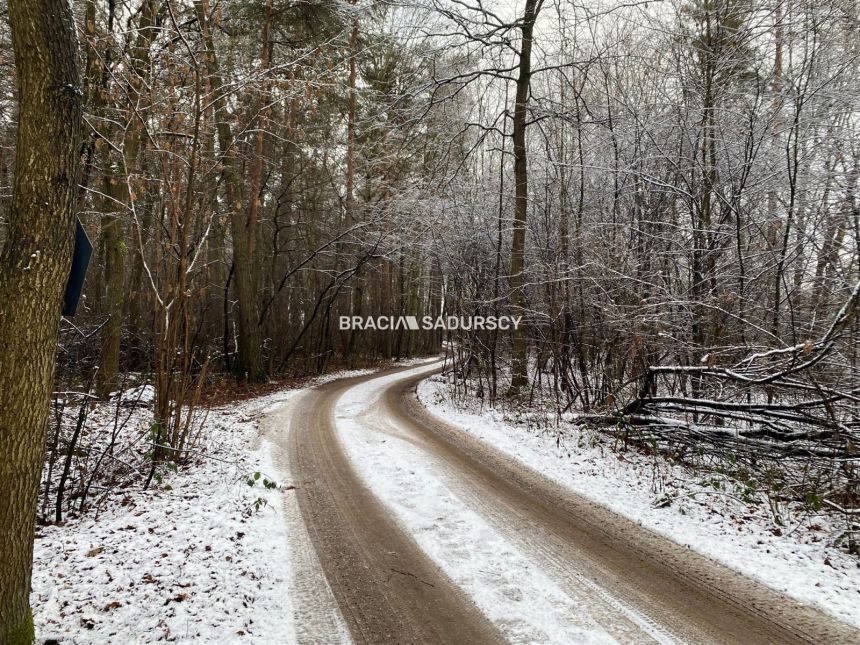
{"x":519,"y":339}
{"x":34,"y":267}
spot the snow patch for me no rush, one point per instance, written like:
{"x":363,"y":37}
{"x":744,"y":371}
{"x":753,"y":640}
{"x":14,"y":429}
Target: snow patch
{"x":205,"y":555}
{"x":143,"y":394}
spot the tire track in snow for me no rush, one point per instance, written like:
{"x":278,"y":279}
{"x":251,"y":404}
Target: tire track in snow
{"x":685,"y":593}
{"x":316,"y":614}
{"x":540,"y":542}
{"x":386,"y":588}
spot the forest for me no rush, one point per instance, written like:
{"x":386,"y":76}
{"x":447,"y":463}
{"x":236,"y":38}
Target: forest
{"x":663,"y":194}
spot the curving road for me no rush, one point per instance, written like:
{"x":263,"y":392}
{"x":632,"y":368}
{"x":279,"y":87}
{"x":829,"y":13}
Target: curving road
{"x":632,"y":585}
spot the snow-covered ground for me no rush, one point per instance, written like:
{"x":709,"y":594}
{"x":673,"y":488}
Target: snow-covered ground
{"x":218,"y":552}
{"x":207,"y":554}
{"x":717,"y":521}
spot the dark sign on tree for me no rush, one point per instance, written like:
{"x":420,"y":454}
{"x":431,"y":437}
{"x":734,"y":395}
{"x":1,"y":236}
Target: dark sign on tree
{"x":80,"y":262}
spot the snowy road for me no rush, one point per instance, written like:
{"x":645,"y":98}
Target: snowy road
{"x":427,"y":535}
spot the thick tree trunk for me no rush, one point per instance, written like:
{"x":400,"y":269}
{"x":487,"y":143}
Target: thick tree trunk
{"x":519,"y":339}
{"x":34,"y":267}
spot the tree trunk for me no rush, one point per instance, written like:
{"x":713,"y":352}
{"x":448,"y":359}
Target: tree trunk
{"x":113,"y":241}
{"x":249,"y":363}
{"x":119,"y":200}
{"x":519,"y":340}
{"x":262,"y":123}
{"x":34,"y":267}
{"x":355,"y":294}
